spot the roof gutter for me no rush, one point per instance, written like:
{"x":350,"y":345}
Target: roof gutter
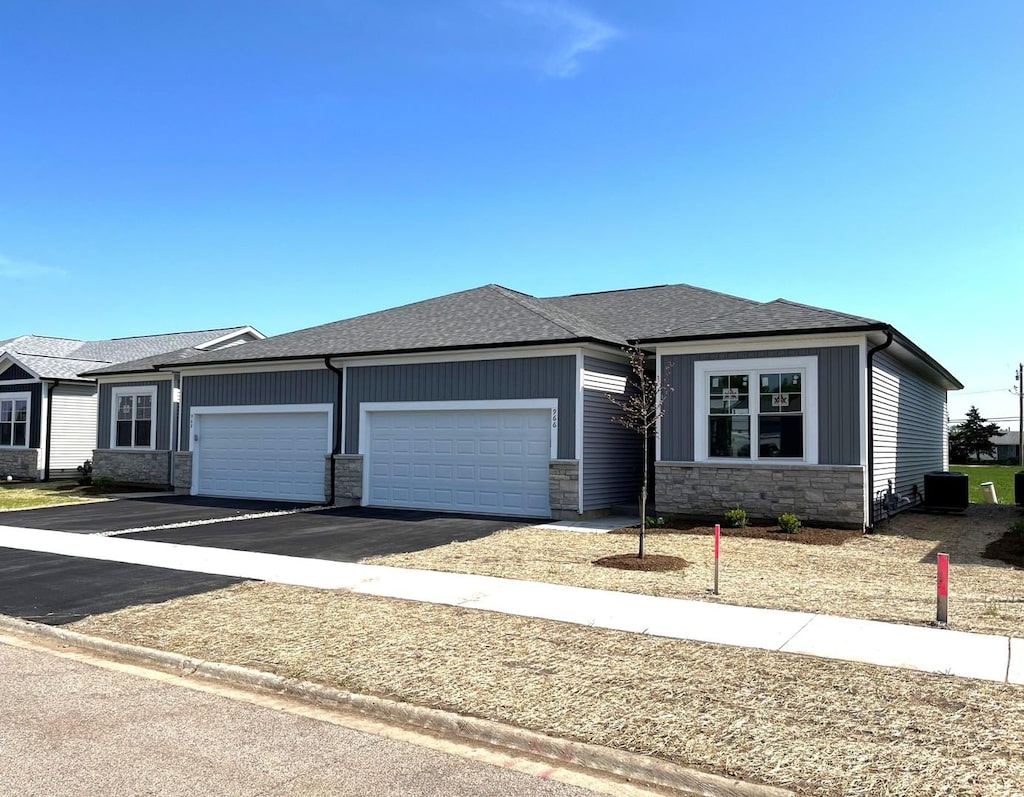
{"x":49,"y":428}
{"x":871,"y":424}
{"x":340,"y":408}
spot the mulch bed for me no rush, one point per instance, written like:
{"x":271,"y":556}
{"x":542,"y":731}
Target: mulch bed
{"x":805,"y":534}
{"x":1009,"y":548}
{"x":650,"y":562}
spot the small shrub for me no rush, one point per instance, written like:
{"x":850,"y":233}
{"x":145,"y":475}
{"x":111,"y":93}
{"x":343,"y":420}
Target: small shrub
{"x":655,"y":521}
{"x":85,"y":469}
{"x":1017,"y":527}
{"x":102,"y":484}
{"x":736,"y":518}
{"x":789,"y":523}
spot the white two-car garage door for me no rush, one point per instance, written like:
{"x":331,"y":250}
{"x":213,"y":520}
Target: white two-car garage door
{"x":272,"y":455}
{"x":492,"y":461}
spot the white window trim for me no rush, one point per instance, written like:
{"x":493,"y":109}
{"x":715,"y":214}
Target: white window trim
{"x":703,"y":369}
{"x":144,"y":390}
{"x":27,"y":398}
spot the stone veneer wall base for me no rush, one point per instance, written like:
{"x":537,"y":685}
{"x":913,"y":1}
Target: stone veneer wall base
{"x":832,"y":494}
{"x":133,"y":466}
{"x":348,"y":479}
{"x":21,"y":463}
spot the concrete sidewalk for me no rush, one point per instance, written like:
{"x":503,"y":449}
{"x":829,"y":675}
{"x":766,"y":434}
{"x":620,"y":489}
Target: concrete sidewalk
{"x":981,"y":656}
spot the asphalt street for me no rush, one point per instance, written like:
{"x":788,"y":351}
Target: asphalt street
{"x":71,"y":728}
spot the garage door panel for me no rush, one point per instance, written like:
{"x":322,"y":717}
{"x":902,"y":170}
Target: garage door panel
{"x":279,"y":455}
{"x":472,"y":460}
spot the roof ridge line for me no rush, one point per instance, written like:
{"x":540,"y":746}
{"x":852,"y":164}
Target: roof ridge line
{"x":507,"y":293}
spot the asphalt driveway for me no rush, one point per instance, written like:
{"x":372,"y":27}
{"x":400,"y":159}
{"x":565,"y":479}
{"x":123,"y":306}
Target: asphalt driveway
{"x":56,"y":589}
{"x":132,"y":513}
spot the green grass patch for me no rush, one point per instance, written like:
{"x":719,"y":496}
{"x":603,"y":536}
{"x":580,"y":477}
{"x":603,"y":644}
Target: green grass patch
{"x":36,"y":494}
{"x":1001,"y":477}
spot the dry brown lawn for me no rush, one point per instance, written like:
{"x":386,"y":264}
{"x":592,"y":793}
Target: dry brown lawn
{"x":818,"y":727}
{"x":884,"y":576}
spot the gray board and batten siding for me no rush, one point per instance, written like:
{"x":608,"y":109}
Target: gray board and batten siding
{"x":313,"y":386}
{"x":467,"y":380}
{"x":15,"y":372}
{"x":909,"y":425}
{"x":839,"y":412}
{"x":612,"y":467}
{"x":162,"y":417}
{"x":34,"y":411}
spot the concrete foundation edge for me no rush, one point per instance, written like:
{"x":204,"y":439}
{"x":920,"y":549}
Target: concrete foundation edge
{"x":635,"y":767}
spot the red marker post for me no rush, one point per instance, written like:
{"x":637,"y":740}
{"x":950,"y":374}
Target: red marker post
{"x":718,"y":538}
{"x":942,"y":583}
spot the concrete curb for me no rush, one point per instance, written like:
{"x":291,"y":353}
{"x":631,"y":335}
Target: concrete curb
{"x":632,"y":766}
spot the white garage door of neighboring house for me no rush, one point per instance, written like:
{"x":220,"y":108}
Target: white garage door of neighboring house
{"x":492,"y":461}
{"x":271,"y":455}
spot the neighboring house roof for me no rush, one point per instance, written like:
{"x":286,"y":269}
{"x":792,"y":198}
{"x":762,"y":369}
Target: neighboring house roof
{"x":1006,"y":439}
{"x":66,"y":358}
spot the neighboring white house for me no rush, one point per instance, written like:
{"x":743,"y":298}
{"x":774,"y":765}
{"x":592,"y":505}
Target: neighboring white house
{"x":48,"y":410}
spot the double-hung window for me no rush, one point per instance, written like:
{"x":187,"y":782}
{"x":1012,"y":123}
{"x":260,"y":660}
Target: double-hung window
{"x":134,"y":416}
{"x":758,"y":409}
{"x":14,"y":409}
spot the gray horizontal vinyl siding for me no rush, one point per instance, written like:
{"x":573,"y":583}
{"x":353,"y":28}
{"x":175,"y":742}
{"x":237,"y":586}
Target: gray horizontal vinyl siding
{"x":839,"y":410}
{"x":35,"y":413}
{"x":612,"y":466}
{"x":163,"y":411}
{"x":15,"y":372}
{"x":909,"y":431}
{"x":315,"y":386}
{"x":467,"y":380}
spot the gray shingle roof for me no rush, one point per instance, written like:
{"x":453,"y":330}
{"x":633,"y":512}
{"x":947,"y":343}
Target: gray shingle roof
{"x":640,"y":313}
{"x":778,"y":317}
{"x":66,"y":358}
{"x":487,"y":316}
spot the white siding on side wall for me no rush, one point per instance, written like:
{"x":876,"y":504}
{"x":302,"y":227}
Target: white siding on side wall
{"x":910,"y":436}
{"x":74,"y":426}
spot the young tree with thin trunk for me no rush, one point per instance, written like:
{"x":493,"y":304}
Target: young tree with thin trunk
{"x":642,"y":406}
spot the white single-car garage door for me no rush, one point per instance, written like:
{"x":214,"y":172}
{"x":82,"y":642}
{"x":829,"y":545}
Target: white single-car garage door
{"x":272,"y":455}
{"x":486,"y":461}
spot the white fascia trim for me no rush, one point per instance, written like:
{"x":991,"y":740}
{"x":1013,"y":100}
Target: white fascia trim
{"x":124,"y":379}
{"x":366,"y":407}
{"x":513,"y":353}
{"x":579,"y":427}
{"x":248,"y":367}
{"x":231,"y":336}
{"x":23,"y":382}
{"x":10,"y":359}
{"x":143,"y":390}
{"x":703,"y":368}
{"x":761,"y":344}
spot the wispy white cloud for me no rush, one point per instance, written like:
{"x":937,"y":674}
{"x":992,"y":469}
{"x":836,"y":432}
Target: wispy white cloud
{"x":575,"y":32}
{"x":23,"y":269}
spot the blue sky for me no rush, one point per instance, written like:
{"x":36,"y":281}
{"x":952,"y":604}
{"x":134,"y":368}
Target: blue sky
{"x":185,"y":165}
